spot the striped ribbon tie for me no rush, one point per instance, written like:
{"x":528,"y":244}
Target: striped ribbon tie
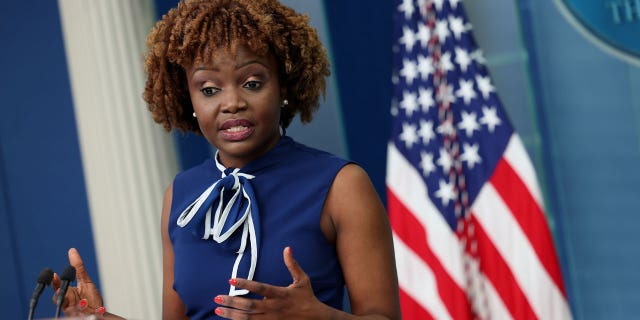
{"x":240,"y":212}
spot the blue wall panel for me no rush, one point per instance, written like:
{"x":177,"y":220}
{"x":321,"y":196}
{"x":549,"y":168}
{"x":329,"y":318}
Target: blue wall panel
{"x":591,"y":105}
{"x":44,"y":206}
{"x":361,"y":40}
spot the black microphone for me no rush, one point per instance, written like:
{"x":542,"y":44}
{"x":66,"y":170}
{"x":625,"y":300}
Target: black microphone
{"x":67,"y":276}
{"x":44,"y":279}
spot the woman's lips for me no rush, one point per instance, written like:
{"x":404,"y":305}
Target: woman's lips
{"x":236,"y":129}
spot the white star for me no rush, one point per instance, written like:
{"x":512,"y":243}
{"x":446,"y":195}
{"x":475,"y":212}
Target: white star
{"x":445,"y":62}
{"x":422,"y":5}
{"x":394,"y":107}
{"x":426,"y":163}
{"x":409,"y":103}
{"x":457,"y":26}
{"x":490,"y":118}
{"x":426,"y":131}
{"x":408,"y":135}
{"x":407,"y":8}
{"x":463,"y":59}
{"x":470,"y":154}
{"x":425,"y":99}
{"x":485,"y":86}
{"x":445,"y":94}
{"x":468,"y":123}
{"x":442,"y":30}
{"x":445,"y":160}
{"x":478,"y":56}
{"x":409,"y":70}
{"x":445,"y":192}
{"x":423,"y":35}
{"x":466,"y":91}
{"x":408,"y":38}
{"x":395,"y":79}
{"x":425,"y":66}
{"x":439,"y":4}
{"x":446,"y":128}
{"x":454,"y":3}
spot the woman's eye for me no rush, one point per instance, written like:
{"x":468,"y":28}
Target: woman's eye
{"x":209,"y":91}
{"x":253,"y":85}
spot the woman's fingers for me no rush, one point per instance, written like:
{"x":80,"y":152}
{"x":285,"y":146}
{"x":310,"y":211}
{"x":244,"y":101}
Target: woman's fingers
{"x":76,"y":262}
{"x":55,"y":282}
{"x":292,"y":265}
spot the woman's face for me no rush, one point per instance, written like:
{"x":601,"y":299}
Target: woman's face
{"x":237,"y":102}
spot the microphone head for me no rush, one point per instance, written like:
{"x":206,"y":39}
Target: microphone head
{"x":46,"y":276}
{"x":68,"y":274}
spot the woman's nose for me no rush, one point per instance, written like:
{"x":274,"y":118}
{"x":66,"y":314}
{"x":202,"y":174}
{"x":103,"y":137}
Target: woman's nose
{"x":233,"y":102}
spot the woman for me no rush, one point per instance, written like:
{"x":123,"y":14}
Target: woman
{"x":237,"y":72}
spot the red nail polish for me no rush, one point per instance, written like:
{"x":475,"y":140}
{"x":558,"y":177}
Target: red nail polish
{"x":218,"y":299}
{"x":101,"y":310}
{"x":219,"y":311}
{"x":233,"y":282}
{"x":83,"y":303}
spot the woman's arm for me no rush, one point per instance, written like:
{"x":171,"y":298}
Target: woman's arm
{"x":172,"y":306}
{"x":364,"y":244}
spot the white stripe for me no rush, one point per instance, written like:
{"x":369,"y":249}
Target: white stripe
{"x":497,"y":309}
{"x":504,"y":231}
{"x":407,"y":184}
{"x":516,"y":155}
{"x":417,"y":280}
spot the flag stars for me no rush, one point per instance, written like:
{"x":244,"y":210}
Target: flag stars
{"x":466,"y":91}
{"x":409,"y":135}
{"x":470,"y":154}
{"x":394,"y":107}
{"x":445,"y":160}
{"x":426,"y":131}
{"x":446,"y":128}
{"x":490,"y":118}
{"x":407,"y":8}
{"x":446,"y":192}
{"x":463,"y":59}
{"x":425,"y":67}
{"x":442,"y":30}
{"x":409,"y":103}
{"x":426,"y":163}
{"x":485,"y":86}
{"x":445,"y":62}
{"x":423,"y":35}
{"x":457,"y":26}
{"x":438,"y":4}
{"x":445,"y":94}
{"x":425,"y":99}
{"x":478,"y":56}
{"x":409,"y":70}
{"x":408,"y":38}
{"x":468,"y":123}
{"x":422,"y":6}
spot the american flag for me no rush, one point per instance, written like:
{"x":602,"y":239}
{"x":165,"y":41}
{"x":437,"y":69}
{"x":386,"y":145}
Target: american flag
{"x":469,"y":227}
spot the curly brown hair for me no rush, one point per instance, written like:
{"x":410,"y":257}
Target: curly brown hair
{"x":194,"y":30}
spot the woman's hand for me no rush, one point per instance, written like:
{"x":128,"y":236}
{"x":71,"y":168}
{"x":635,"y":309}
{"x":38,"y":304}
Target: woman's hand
{"x":295,"y":301}
{"x":83,"y":298}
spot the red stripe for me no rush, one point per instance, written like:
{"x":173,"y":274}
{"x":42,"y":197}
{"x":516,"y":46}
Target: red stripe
{"x":496,"y":270}
{"x":411,"y":231}
{"x":530,"y":217}
{"x":411,"y":309}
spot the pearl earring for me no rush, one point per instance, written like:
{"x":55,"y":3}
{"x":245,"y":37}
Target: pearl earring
{"x":194,"y":115}
{"x":285,"y":103}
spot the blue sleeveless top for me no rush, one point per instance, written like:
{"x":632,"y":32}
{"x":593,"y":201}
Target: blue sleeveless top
{"x":236,"y":222}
